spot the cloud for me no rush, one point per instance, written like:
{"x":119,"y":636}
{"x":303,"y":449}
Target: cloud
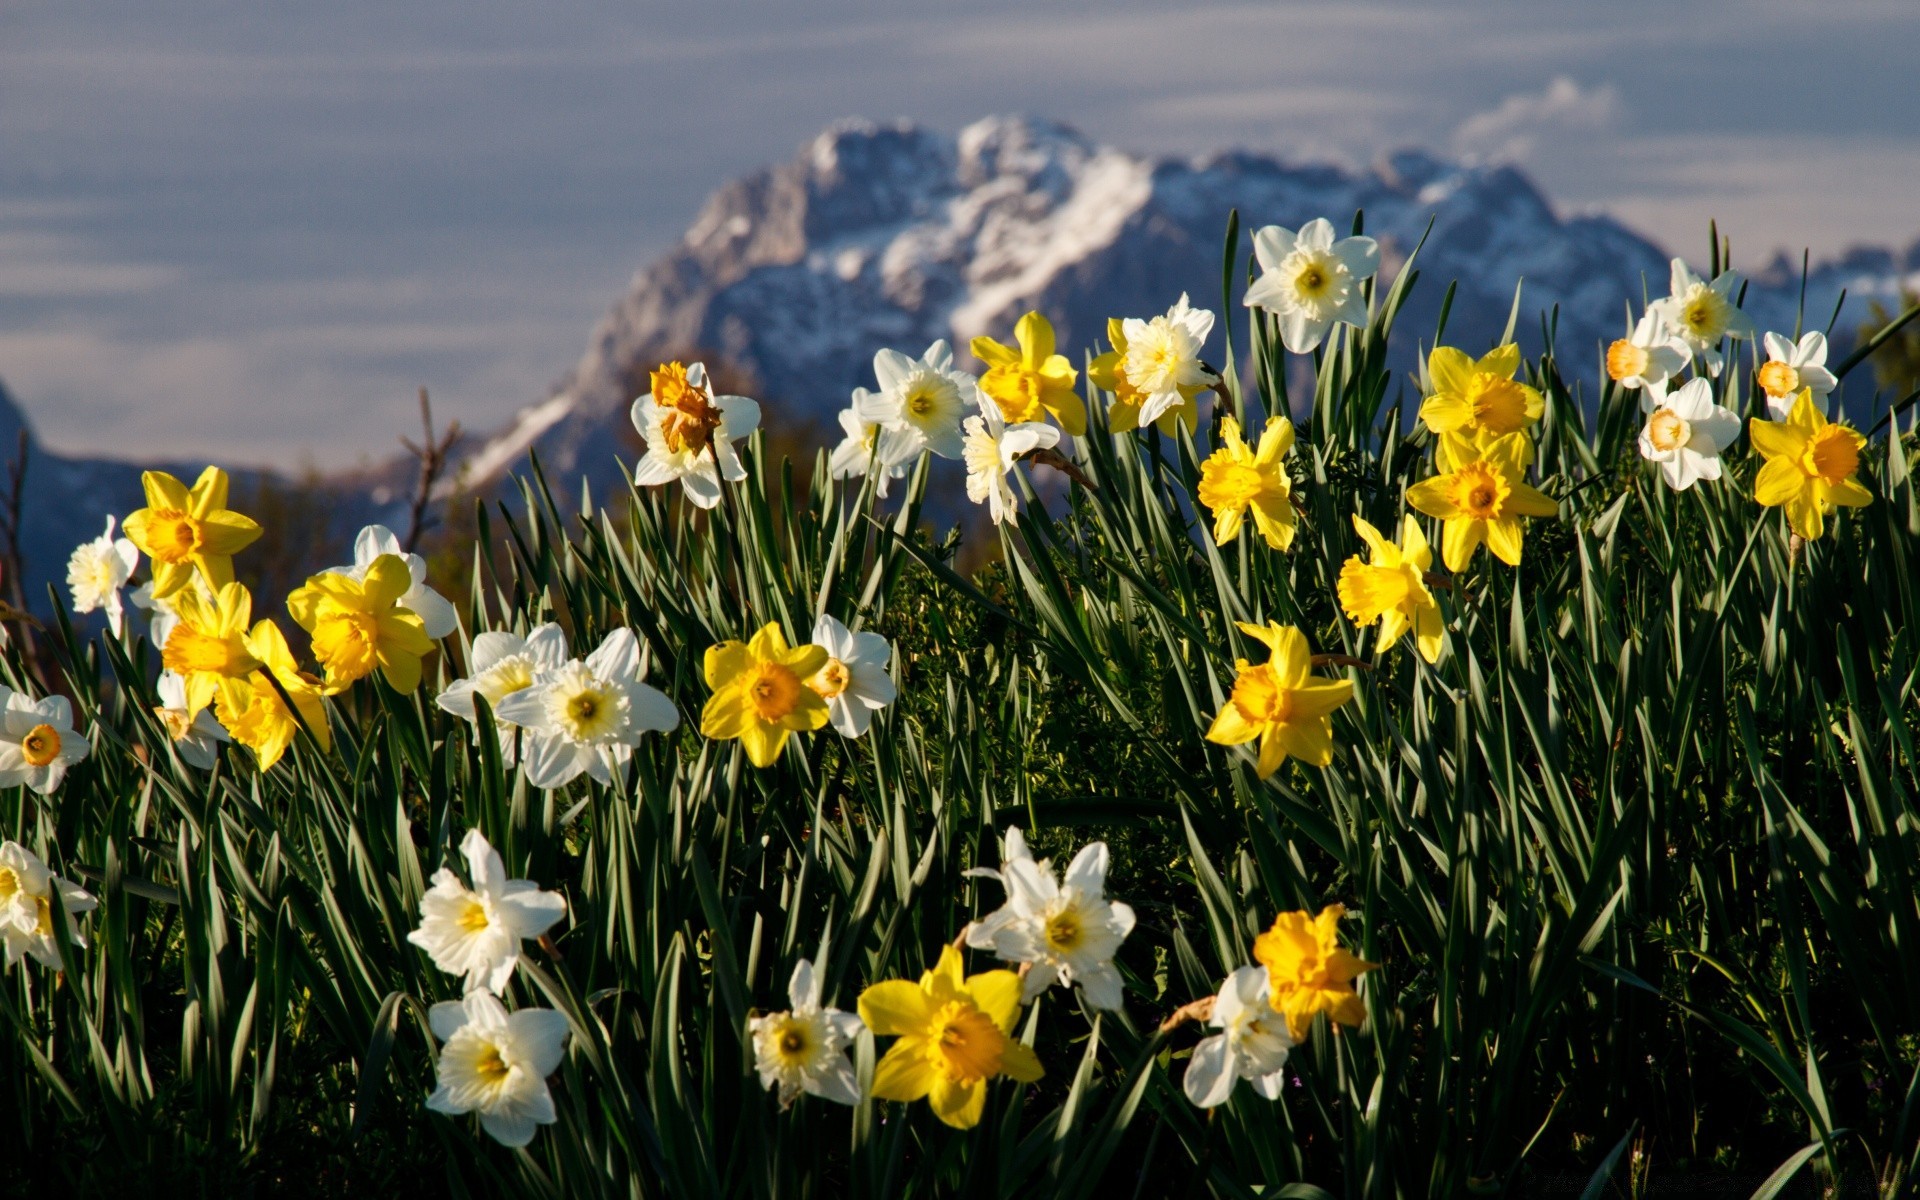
{"x":1511,"y":131}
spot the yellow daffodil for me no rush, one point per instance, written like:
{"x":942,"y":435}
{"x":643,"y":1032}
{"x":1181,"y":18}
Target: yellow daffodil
{"x":358,"y":624}
{"x":207,"y":646}
{"x":760,"y":693}
{"x":1032,"y":381}
{"x":181,"y":530}
{"x":1479,"y":398}
{"x":1236,"y":480}
{"x":257,"y":717}
{"x":954,"y":1036}
{"x":1810,"y":466}
{"x":1392,"y":589}
{"x":1308,"y":971}
{"x":1281,"y":702}
{"x":1481,"y":494}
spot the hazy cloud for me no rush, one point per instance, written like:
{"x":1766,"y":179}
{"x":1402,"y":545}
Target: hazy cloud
{"x":1511,"y":130}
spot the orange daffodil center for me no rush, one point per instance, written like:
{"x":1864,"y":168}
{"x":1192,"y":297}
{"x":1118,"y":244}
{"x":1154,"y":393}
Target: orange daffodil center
{"x":1777,"y":379}
{"x":1280,"y":703}
{"x":688,"y":415}
{"x":1810,"y":465}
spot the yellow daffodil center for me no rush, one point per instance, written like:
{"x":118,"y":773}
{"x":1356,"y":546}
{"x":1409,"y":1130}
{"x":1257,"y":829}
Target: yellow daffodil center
{"x":1667,"y":430}
{"x":1778,"y":379}
{"x":173,"y":536}
{"x":831,"y":679}
{"x":1366,"y":592}
{"x":1236,"y":485}
{"x":491,"y":1069}
{"x":504,"y":678}
{"x":791,"y":1044}
{"x":1705,"y":313}
{"x":1258,"y":694}
{"x":1314,"y":275}
{"x":1626,"y":360}
{"x":188,"y":650}
{"x":688,"y":417}
{"x":1831,"y":455}
{"x":773,"y":690}
{"x":967,"y":1046}
{"x":346,"y":641}
{"x":1499,"y":405}
{"x":174,"y":720}
{"x":43,"y":917}
{"x":922,"y":399}
{"x":473,"y":917}
{"x":1017,"y":391}
{"x":100,"y":574}
{"x":9,"y":884}
{"x":1478,"y":492}
{"x":41,"y":746}
{"x":586,"y":712}
{"x":1064,"y":931}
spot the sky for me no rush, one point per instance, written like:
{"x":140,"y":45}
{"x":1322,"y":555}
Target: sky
{"x":249,"y":232}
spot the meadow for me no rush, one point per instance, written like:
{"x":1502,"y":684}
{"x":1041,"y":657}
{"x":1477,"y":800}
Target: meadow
{"x":1497,"y":779}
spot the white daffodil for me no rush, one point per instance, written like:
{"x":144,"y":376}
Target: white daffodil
{"x":476,"y":931}
{"x":1651,"y":357}
{"x":1163,"y":359}
{"x":690,"y":433}
{"x":989,"y":451}
{"x":1703,"y":313}
{"x":1065,"y":930}
{"x":504,"y":664}
{"x":805,"y":1048}
{"x":196,"y":740}
{"x":1685,"y":433}
{"x":1252,"y":1043}
{"x":854,"y":682}
{"x":27,"y":894}
{"x":923,"y":398}
{"x":496,"y":1064}
{"x":587,"y":716}
{"x":97,"y":570}
{"x":433,"y":609}
{"x":872,"y":446}
{"x":1310,"y":281}
{"x":38,"y":742}
{"x":1791,"y":366}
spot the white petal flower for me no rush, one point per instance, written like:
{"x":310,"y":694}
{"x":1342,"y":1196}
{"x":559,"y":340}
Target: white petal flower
{"x":989,"y":451}
{"x":854,"y":682}
{"x":1065,"y":930}
{"x":805,"y":1048}
{"x":96,"y":572}
{"x":1791,"y":366}
{"x":496,"y":1063}
{"x":922,"y":399}
{"x":502,"y":665}
{"x":433,"y":609}
{"x":1703,"y":313}
{"x":1309,"y":281}
{"x":1649,"y":358}
{"x":1252,"y":1044}
{"x":28,"y":891}
{"x":38,"y":742}
{"x":477,"y":931}
{"x":869,"y":444}
{"x":1685,"y":433}
{"x":687,"y":428}
{"x":1163,"y":359}
{"x":196,"y":741}
{"x":587,"y":716}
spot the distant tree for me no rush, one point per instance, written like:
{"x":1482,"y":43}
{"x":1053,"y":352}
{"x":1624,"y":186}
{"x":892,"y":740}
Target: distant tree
{"x":1896,"y":364}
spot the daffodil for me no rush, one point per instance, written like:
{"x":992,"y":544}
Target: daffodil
{"x":1649,"y":357}
{"x":496,"y":1064}
{"x":435,"y":612}
{"x":1252,"y":1043}
{"x":358,"y":625}
{"x":1310,"y":281}
{"x":257,"y":717}
{"x":690,"y":433}
{"x":586,"y":717}
{"x":28,"y":892}
{"x":1810,"y":466}
{"x":1703,"y":313}
{"x":871,"y":447}
{"x":196,"y":737}
{"x":1308,"y":972}
{"x":182,"y":531}
{"x":38,"y":742}
{"x":1392,"y":588}
{"x":760,"y":693}
{"x":1479,"y":398}
{"x":1028,"y":383}
{"x":206,"y":643}
{"x":476,"y":931}
{"x":1064,"y":931}
{"x":97,"y":570}
{"x":955,"y":1035}
{"x":854,"y":680}
{"x":990,"y":449}
{"x":921,"y":401}
{"x":1154,"y":369}
{"x":1685,"y":433}
{"x":1792,"y":367}
{"x":504,"y":664}
{"x":1280,"y":703}
{"x":805,"y":1048}
{"x":1236,"y":480}
{"x":1481,"y":494}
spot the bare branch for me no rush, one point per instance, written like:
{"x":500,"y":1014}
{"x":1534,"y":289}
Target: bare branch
{"x":432,"y":453}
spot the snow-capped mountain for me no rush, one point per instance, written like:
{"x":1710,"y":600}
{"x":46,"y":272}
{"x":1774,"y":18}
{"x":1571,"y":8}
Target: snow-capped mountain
{"x":895,"y":235}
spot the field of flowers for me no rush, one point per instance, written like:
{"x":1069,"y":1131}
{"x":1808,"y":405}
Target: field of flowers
{"x":1500,"y":781}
